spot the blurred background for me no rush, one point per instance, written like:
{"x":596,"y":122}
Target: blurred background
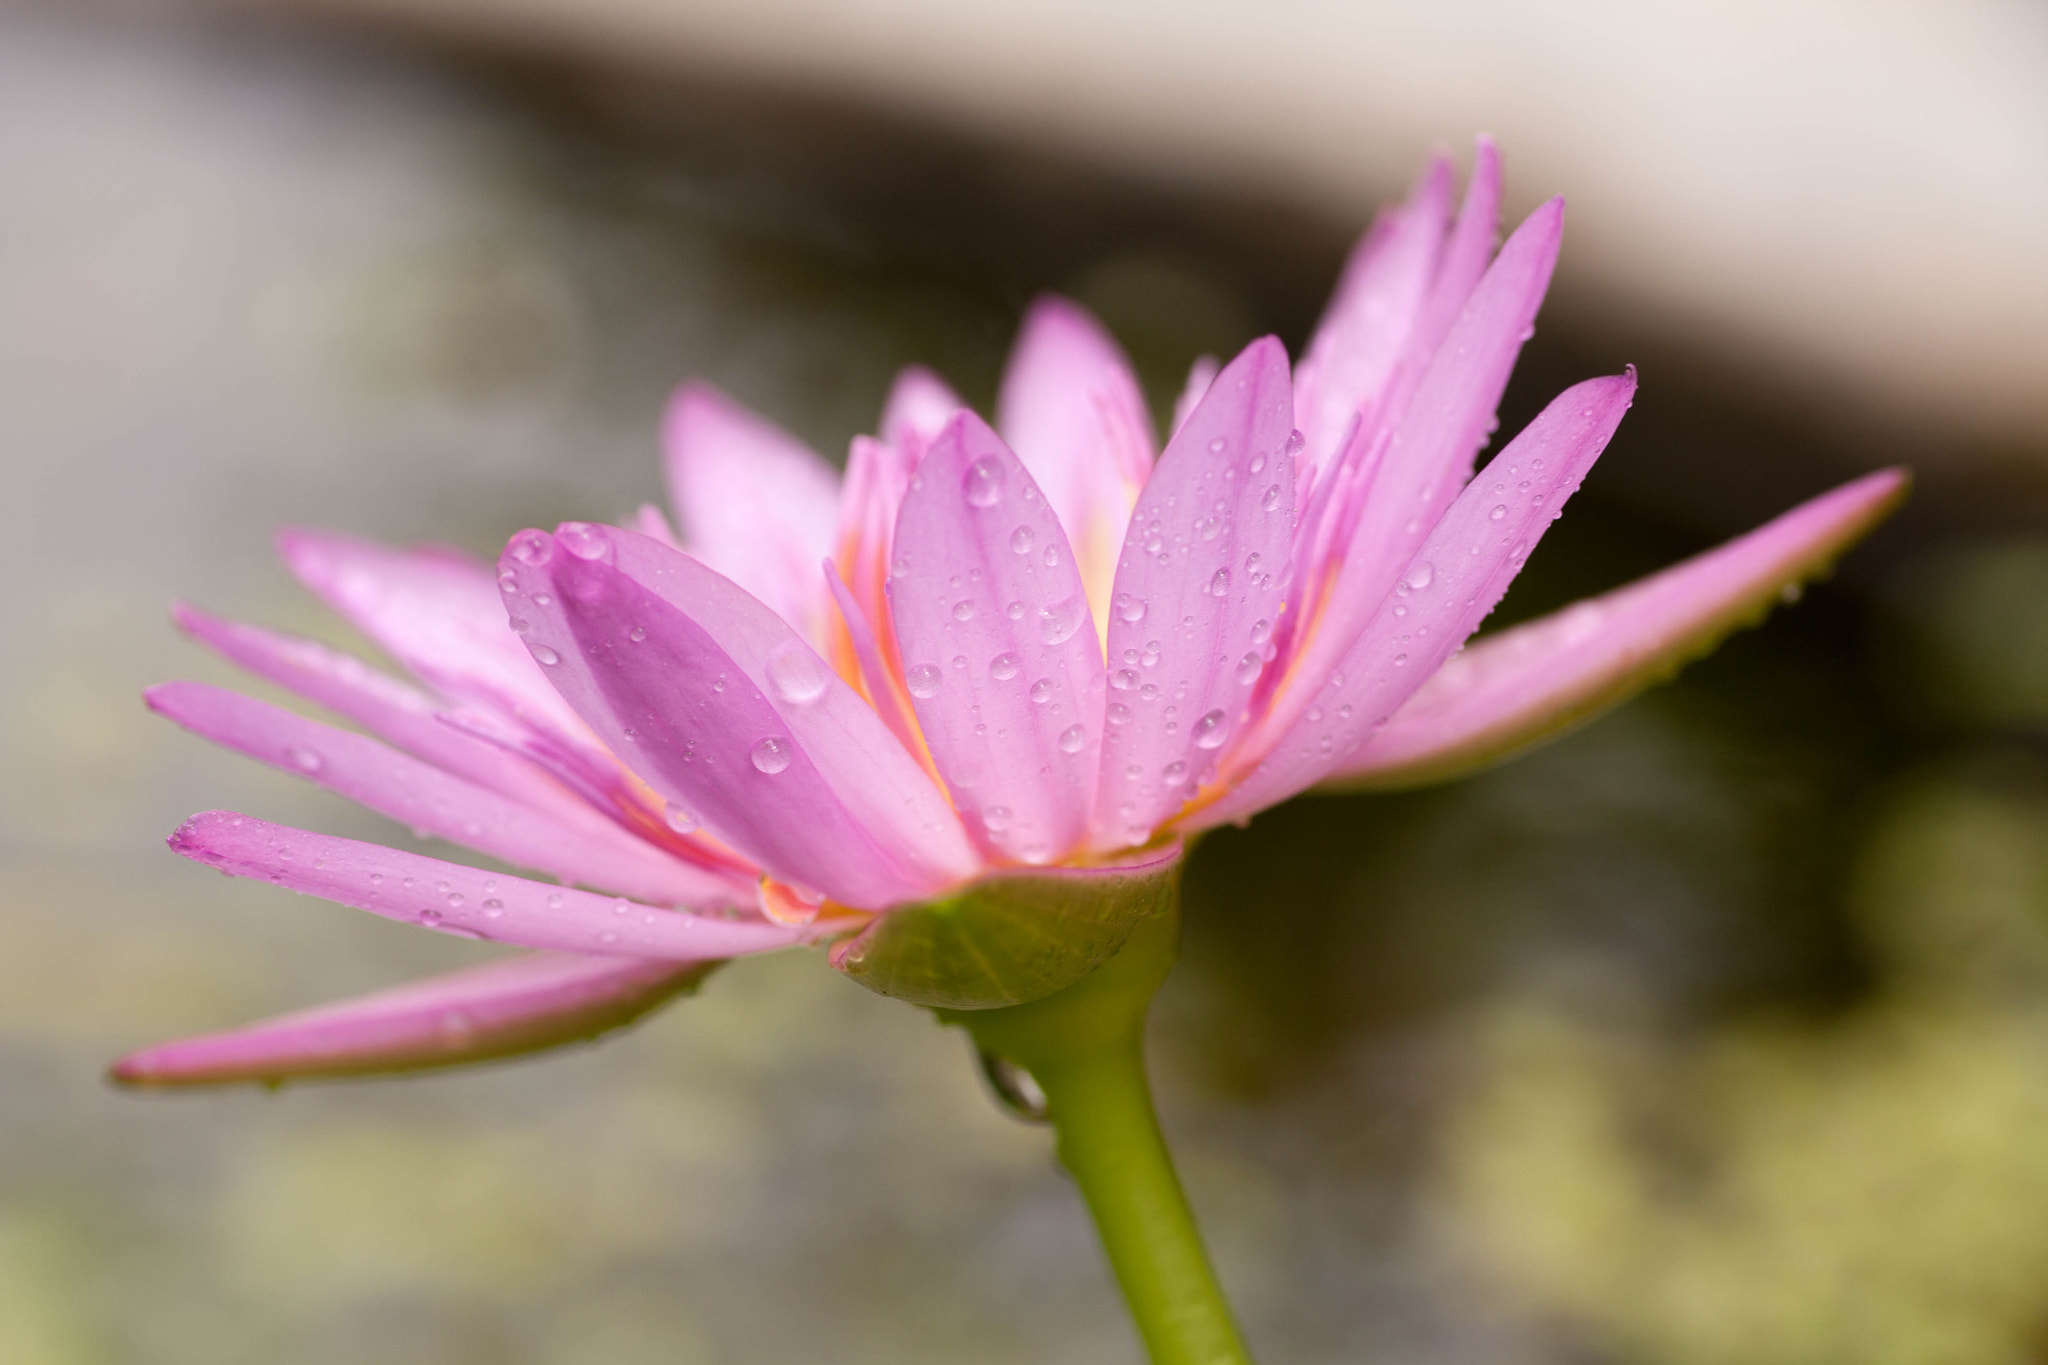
{"x":1717,"y":1032}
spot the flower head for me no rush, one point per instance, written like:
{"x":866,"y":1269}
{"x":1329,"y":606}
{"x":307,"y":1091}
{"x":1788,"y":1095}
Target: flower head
{"x":957,"y":712}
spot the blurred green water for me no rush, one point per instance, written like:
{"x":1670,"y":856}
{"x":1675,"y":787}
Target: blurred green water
{"x":1711,"y":1033}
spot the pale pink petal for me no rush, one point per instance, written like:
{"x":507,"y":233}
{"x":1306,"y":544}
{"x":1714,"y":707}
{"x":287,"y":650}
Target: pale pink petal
{"x":920,"y":404}
{"x":435,"y":803}
{"x":1072,"y":410}
{"x":1447,"y":589}
{"x":998,"y":646}
{"x":1427,"y":458}
{"x":466,"y":901}
{"x":752,"y":501}
{"x":1371,"y":316}
{"x":381,"y":704}
{"x":1521,"y":686}
{"x":1198,"y":590}
{"x":1201,"y":375}
{"x":718,"y":704}
{"x":1466,"y":253}
{"x":652,"y":521}
{"x":877,"y":678}
{"x":500,"y":1009}
{"x":434,"y":610}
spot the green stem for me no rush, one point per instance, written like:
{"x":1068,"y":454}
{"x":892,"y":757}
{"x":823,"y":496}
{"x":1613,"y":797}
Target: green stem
{"x":1085,"y":1048}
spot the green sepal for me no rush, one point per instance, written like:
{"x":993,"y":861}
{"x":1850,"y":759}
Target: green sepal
{"x":1013,"y":937}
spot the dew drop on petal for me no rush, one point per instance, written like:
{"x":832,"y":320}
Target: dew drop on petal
{"x":305,"y":760}
{"x":584,"y":540}
{"x":1021,"y":540}
{"x":982,"y":484}
{"x":1041,"y":691}
{"x":493,"y":909}
{"x":797,"y":675}
{"x":637,"y":634}
{"x":771,"y":755}
{"x":1247,"y":671}
{"x":924,"y":680}
{"x":1258,"y":464}
{"x":996,"y":819}
{"x":1500,"y":510}
{"x":1218,"y":446}
{"x":1073,"y":739}
{"x":678,"y":819}
{"x":532,"y":547}
{"x":963,"y":610}
{"x":1130,"y":610}
{"x":1057,"y":623}
{"x":1210,"y":730}
{"x":1123,"y":680}
{"x":1116,"y":713}
{"x":1270,"y":499}
{"x":543,"y":654}
{"x":1219,"y":583}
{"x":1174,"y":773}
{"x":1419,"y":577}
{"x":1015,"y":611}
{"x":1004,"y":667}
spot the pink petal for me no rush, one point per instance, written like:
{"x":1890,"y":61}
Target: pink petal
{"x":1449,"y":587}
{"x":998,"y":645}
{"x":1466,"y":253}
{"x":1201,"y":375}
{"x":919,"y":406}
{"x":1072,"y":410}
{"x":381,"y":704}
{"x":432,"y":802}
{"x":1430,"y":453}
{"x":1509,"y":691}
{"x":499,"y":1009}
{"x":437,"y":612}
{"x":1198,"y":590}
{"x":466,"y":901}
{"x":717,"y":703}
{"x":753,"y":502}
{"x":1371,"y":316}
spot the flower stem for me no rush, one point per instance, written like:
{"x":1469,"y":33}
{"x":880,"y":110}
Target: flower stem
{"x":1085,"y":1048}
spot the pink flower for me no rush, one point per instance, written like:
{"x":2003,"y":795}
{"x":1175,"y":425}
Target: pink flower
{"x":1012,"y":666}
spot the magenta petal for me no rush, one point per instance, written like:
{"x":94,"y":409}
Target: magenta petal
{"x":1198,"y":590}
{"x":998,"y":645}
{"x":919,"y":406}
{"x":1447,"y":589}
{"x":753,"y":502}
{"x":1535,"y":681}
{"x":435,"y":611}
{"x":433,"y":802}
{"x":381,"y":704}
{"x":1466,"y":253}
{"x":466,"y":901}
{"x":719,"y":706}
{"x":1372,"y":314}
{"x":1072,"y":410}
{"x":1431,"y":451}
{"x":499,"y":1009}
{"x":1201,"y":374}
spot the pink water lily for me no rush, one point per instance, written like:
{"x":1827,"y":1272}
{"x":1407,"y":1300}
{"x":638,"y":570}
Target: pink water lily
{"x":1040,"y":655}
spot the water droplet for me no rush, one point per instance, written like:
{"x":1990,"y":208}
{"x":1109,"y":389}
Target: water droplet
{"x":1021,"y":540}
{"x":1041,"y":691}
{"x":1499,"y":510}
{"x":797,"y":675}
{"x":1270,"y":499}
{"x":1219,"y":583}
{"x":1057,"y":623}
{"x":678,"y":819}
{"x":493,"y":908}
{"x":532,"y":547}
{"x":1261,"y":631}
{"x":963,"y":610}
{"x":1072,"y":739}
{"x":1130,"y":610}
{"x":1051,"y":557}
{"x":1419,"y":577}
{"x":1004,"y":667}
{"x":996,"y":819}
{"x":1149,"y":692}
{"x":1123,"y":680}
{"x":1211,"y":730}
{"x":1116,"y":713}
{"x":771,"y":755}
{"x":1015,"y":611}
{"x":637,"y":634}
{"x":520,"y":625}
{"x":982,"y":484}
{"x":554,"y":900}
{"x":1248,"y":667}
{"x":924,"y":680}
{"x":1174,"y":773}
{"x":1258,"y":464}
{"x":305,"y":760}
{"x":1218,"y":446}
{"x":1400,"y":660}
{"x":584,"y":540}
{"x":546,"y":656}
